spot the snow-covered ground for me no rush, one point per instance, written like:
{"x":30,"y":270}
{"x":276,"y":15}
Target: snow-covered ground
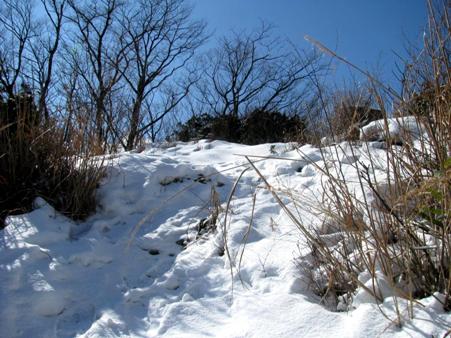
{"x":141,"y":267}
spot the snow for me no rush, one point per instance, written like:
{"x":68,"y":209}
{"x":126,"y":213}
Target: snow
{"x":141,"y":268}
{"x":397,"y":129}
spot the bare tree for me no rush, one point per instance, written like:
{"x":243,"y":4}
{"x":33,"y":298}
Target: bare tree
{"x":162,"y":39}
{"x":44,"y":49}
{"x":17,"y":31}
{"x":156,"y":107}
{"x":253,"y":71}
{"x":99,"y":58}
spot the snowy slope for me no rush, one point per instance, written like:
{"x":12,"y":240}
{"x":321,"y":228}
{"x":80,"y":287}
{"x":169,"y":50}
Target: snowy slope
{"x":141,"y":268}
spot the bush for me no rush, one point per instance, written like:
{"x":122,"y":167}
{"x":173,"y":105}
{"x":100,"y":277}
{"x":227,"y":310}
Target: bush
{"x":351,"y":110}
{"x":227,"y":128}
{"x":34,"y":161}
{"x":268,"y":127}
{"x":255,"y":128}
{"x":196,"y":128}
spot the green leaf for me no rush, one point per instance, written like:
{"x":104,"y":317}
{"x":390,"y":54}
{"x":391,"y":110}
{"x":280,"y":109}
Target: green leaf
{"x":437,"y":194}
{"x":447,"y":163}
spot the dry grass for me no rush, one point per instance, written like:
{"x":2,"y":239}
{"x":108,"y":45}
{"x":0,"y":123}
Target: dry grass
{"x":404,"y":231}
{"x":396,"y":229}
{"x":37,"y":162}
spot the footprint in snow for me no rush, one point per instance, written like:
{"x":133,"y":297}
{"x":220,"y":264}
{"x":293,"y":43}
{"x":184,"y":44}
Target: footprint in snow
{"x":154,"y":252}
{"x":307,"y":171}
{"x":76,"y":319}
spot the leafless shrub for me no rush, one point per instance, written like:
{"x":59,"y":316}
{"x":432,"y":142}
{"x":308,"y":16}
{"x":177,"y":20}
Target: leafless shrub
{"x":36,"y":162}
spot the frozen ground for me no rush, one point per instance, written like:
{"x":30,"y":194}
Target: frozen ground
{"x":140,"y":267}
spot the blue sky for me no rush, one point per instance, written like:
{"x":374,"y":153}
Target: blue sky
{"x":366,"y":32}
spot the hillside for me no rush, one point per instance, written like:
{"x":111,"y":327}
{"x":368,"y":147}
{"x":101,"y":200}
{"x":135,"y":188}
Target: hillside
{"x":170,"y":254}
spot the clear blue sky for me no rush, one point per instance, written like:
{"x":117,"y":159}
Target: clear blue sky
{"x":366,"y":32}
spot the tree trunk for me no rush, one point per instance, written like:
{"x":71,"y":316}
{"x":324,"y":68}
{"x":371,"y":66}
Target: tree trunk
{"x":134,"y":123}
